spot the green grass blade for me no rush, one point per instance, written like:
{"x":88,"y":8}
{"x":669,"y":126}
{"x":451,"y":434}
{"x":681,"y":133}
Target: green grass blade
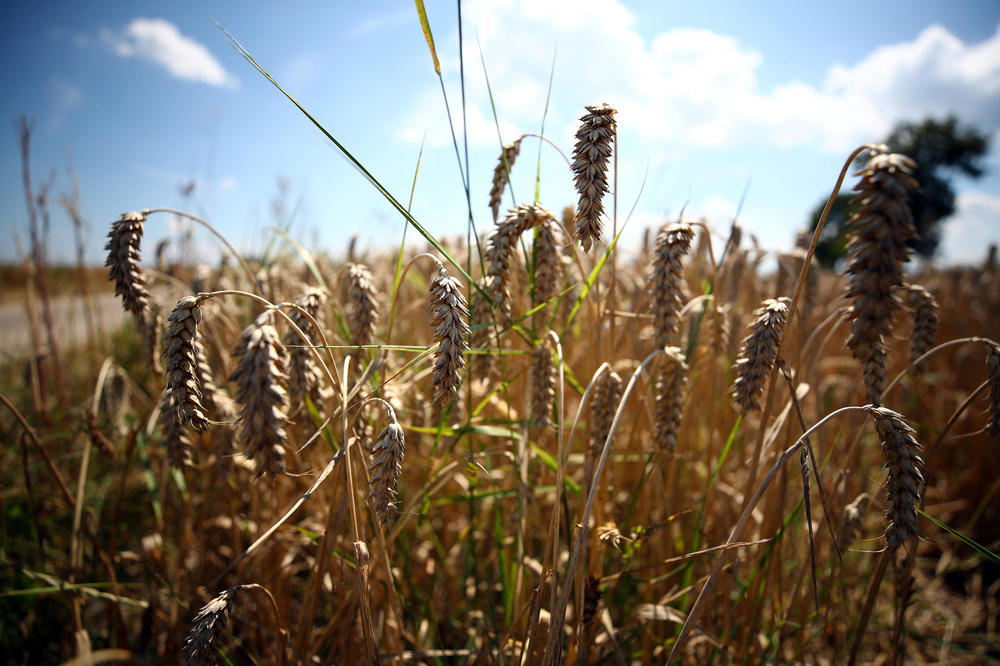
{"x":979,"y":548}
{"x":426,"y":27}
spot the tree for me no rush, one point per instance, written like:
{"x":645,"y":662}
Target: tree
{"x":942,"y":149}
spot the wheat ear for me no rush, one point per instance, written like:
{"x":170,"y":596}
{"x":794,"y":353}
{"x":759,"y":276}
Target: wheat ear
{"x":925,"y":320}
{"x":260,"y":379}
{"x":665,"y":285}
{"x":181,"y":362}
{"x":607,"y":395}
{"x":501,"y":250}
{"x":304,"y":378}
{"x":671,"y":386}
{"x":449,"y":322}
{"x":548,"y":262}
{"x":591,"y":156}
{"x":993,"y":376}
{"x":758,"y":354}
{"x":905,"y":483}
{"x":386,"y":470}
{"x":175,"y":436}
{"x":543,"y":383}
{"x":123,"y":262}
{"x":501,"y":174}
{"x":879,"y":232}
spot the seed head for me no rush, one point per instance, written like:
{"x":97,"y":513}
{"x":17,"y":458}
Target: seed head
{"x":590,"y":168}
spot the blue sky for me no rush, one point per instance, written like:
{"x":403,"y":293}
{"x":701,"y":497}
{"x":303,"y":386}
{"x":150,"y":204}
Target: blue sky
{"x":143,"y":97}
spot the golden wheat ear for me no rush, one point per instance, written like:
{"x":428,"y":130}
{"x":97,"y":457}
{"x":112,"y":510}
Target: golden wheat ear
{"x":760,"y":349}
{"x":905,"y":483}
{"x":181,"y":363}
{"x":304,"y":377}
{"x":123,"y":244}
{"x":666,"y":282}
{"x":450,"y":324}
{"x":501,"y":175}
{"x":386,"y":470}
{"x":671,"y":387}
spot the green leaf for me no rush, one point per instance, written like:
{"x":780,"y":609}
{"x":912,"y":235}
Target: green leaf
{"x":426,"y":27}
{"x":982,"y":550}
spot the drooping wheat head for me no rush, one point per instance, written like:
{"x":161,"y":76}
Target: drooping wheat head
{"x":905,"y":482}
{"x":215,"y":397}
{"x":607,"y":395}
{"x":209,"y":623}
{"x":760,"y":349}
{"x":993,"y":375}
{"x":304,"y":378}
{"x":925,"y":320}
{"x":386,"y":470}
{"x":260,"y":379}
{"x":879,"y":232}
{"x":543,"y":383}
{"x":181,"y":362}
{"x":670,"y":389}
{"x":591,"y":156}
{"x":362,"y":307}
{"x":175,"y":436}
{"x":501,"y":174}
{"x":123,"y":262}
{"x":449,"y":322}
{"x":501,"y":250}
{"x":548,"y":263}
{"x":666,"y":282}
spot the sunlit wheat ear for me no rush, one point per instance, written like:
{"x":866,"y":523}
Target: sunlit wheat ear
{"x":123,"y":262}
{"x":480,"y":333}
{"x":607,"y":395}
{"x":993,"y":372}
{"x":209,"y":623}
{"x":501,"y":175}
{"x":175,"y":437}
{"x":449,"y":322}
{"x":591,"y":156}
{"x":386,"y":470}
{"x":304,"y":378}
{"x":758,"y":354}
{"x":670,"y":388}
{"x":879,"y":231}
{"x":149,"y":326}
{"x":925,"y":320}
{"x":905,"y":482}
{"x":181,"y":363}
{"x":609,"y":535}
{"x":548,"y":262}
{"x":501,"y":250}
{"x":665,"y":284}
{"x":260,"y":379}
{"x":362,"y":306}
{"x":543,"y":384}
{"x":850,"y":524}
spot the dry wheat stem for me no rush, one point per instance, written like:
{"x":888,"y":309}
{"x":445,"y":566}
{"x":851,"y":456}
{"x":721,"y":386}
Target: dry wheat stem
{"x":590,"y":170}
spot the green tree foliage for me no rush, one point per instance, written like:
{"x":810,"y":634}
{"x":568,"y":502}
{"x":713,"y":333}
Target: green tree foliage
{"x":942,"y":149}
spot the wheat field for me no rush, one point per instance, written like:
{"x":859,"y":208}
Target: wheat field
{"x":533,"y":447}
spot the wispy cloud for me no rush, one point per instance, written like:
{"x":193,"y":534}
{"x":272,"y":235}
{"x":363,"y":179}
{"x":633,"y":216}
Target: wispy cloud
{"x":64,"y":97}
{"x":695,"y":88}
{"x":161,"y":42}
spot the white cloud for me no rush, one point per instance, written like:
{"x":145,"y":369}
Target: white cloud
{"x":159,"y":41}
{"x":972,"y":228}
{"x":228,"y":183}
{"x":694,"y":88}
{"x":64,"y":97}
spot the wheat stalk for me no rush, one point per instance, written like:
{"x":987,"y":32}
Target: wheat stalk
{"x":758,"y":354}
{"x":665,"y":285}
{"x":590,"y":170}
{"x":181,"y":362}
{"x":879,"y":232}
{"x":501,"y":174}
{"x":260,"y":378}
{"x":123,"y":262}
{"x":449,"y":314}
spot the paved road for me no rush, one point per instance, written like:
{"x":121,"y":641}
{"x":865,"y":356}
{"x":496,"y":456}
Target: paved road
{"x":68,"y":318}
